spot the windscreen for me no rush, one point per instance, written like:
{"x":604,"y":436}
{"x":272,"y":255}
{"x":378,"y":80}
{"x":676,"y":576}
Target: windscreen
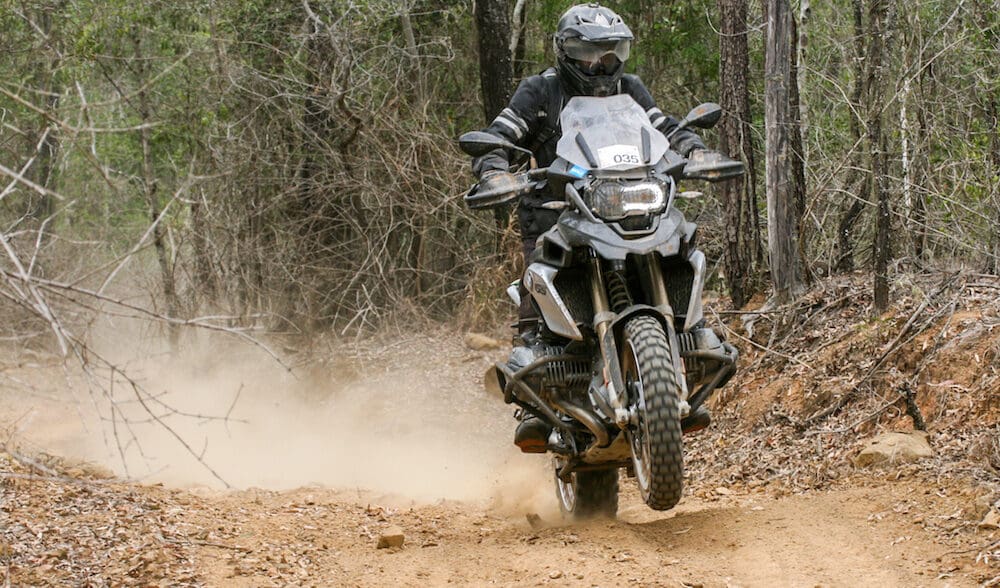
{"x":611,"y":133}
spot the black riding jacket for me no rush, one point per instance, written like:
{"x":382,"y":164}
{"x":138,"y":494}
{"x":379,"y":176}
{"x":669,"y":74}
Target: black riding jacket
{"x":531,"y":120}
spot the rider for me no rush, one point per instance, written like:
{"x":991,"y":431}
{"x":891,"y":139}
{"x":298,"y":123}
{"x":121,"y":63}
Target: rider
{"x":591,"y":44}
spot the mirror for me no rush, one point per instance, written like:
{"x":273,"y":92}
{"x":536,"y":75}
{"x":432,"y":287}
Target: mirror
{"x":479,"y":143}
{"x":704,"y":116}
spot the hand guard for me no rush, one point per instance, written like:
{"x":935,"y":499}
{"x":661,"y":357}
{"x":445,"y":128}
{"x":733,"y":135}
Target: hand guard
{"x":496,"y":188}
{"x":712,"y":166}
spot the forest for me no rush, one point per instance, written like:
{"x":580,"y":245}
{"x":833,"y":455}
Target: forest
{"x":245,"y":312}
{"x":291,"y":167}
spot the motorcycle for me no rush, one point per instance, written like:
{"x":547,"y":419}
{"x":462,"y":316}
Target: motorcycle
{"x":622,"y":359}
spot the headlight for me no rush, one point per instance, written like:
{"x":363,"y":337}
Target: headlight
{"x":612,"y":200}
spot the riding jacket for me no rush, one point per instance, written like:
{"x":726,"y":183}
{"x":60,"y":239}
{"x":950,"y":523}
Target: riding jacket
{"x":531,"y":120}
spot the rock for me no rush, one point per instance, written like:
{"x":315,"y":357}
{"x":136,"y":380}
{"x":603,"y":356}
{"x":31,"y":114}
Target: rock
{"x":97,"y":471}
{"x":981,"y":507}
{"x":480,"y":342}
{"x":991,"y":521}
{"x":555,"y":574}
{"x":895,"y":448}
{"x":391,"y":537}
{"x":535,"y":521}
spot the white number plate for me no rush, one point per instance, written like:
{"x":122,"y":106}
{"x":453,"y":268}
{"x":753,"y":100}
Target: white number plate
{"x":619,"y":156}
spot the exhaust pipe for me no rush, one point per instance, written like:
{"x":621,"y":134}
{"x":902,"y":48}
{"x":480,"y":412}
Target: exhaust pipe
{"x":589,"y":420}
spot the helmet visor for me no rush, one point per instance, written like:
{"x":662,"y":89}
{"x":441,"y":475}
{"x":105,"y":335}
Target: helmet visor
{"x":593,"y":51}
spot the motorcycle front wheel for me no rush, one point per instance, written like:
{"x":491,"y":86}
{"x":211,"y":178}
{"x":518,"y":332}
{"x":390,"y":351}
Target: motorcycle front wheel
{"x":588,"y":494}
{"x":652,"y":382}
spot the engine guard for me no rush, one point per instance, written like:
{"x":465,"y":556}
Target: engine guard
{"x":725,"y":358}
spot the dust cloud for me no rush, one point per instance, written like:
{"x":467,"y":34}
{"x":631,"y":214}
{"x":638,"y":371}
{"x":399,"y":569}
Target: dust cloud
{"x":413,"y":422}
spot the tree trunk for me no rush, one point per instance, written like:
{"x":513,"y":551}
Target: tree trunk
{"x":413,"y":54}
{"x":742,"y":248}
{"x":991,"y":41}
{"x":993,"y":177}
{"x":919,"y":166}
{"x":517,"y":36}
{"x":42,"y":205}
{"x":782,"y":225}
{"x":496,"y":73}
{"x":798,"y":160}
{"x":913,"y":137}
{"x":860,"y":194}
{"x":878,"y":20}
{"x":151,"y":188}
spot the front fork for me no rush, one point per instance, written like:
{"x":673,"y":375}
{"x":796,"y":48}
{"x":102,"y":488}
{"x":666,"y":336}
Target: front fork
{"x":604,"y":317}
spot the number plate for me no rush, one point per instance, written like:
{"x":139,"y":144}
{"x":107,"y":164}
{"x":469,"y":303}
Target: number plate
{"x":619,"y":156}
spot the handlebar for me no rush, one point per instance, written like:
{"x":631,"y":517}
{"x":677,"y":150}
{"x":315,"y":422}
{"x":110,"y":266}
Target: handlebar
{"x":710,"y":166}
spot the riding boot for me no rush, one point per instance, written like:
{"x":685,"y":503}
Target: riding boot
{"x":696,"y":421}
{"x":532,"y":434}
{"x":527,"y":319}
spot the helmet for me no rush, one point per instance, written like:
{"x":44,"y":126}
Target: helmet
{"x":591,"y":45}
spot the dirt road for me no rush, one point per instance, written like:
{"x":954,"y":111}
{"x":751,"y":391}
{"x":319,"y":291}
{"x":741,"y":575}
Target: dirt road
{"x":851,"y":537}
{"x":341,"y":462}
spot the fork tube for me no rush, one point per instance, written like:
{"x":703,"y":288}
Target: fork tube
{"x":662,"y":302}
{"x":599,"y":296}
{"x":658,"y":285}
{"x":602,"y":321}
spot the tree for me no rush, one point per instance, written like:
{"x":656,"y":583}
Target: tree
{"x":856,"y":184}
{"x":742,"y":251}
{"x":496,"y":71}
{"x":878,"y":30}
{"x":782,"y":225}
{"x":797,"y":51}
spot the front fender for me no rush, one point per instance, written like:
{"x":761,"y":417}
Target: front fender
{"x":664,"y":315}
{"x":613,"y":338}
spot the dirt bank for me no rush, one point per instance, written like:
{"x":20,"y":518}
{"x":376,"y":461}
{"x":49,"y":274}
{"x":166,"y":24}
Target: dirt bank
{"x":246,"y":475}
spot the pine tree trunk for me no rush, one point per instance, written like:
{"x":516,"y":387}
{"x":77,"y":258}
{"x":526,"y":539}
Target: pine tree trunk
{"x":878,"y":19}
{"x":798,"y":160}
{"x":496,"y":71}
{"x":739,"y":199}
{"x":782,"y":226}
{"x":855,"y":181}
{"x":43,"y":206}
{"x":151,"y":189}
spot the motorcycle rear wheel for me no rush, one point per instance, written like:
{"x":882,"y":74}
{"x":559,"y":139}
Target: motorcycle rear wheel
{"x":588,"y":494}
{"x":652,"y":382}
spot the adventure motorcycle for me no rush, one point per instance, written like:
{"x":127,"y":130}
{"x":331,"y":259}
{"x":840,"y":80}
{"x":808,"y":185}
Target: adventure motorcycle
{"x":622,"y":360}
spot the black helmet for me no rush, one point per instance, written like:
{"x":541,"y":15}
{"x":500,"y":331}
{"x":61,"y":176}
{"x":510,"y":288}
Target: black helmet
{"x":591,"y":45}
